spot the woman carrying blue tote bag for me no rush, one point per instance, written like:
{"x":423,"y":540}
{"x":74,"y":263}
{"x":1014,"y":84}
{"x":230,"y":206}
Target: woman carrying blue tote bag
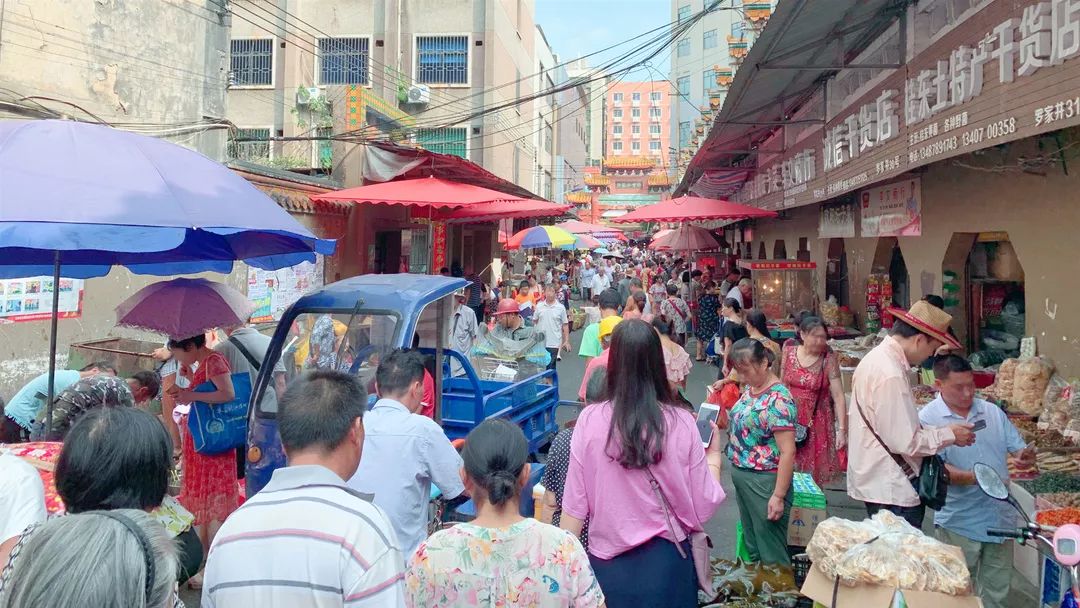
{"x":220,"y":427}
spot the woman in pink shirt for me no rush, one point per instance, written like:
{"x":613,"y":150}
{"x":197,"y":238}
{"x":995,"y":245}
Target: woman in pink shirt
{"x":619,"y":448}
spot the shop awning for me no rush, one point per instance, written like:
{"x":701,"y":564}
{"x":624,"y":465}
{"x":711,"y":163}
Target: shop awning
{"x":613,"y":213}
{"x":801,"y":46}
{"x":517,"y":209}
{"x":423,"y":193}
{"x":691,"y":209}
{"x":384,"y":161}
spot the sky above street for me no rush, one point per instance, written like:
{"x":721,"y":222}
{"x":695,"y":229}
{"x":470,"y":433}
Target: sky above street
{"x":578,"y":27}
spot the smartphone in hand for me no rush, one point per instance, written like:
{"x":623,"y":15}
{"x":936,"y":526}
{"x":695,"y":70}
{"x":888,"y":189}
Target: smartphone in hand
{"x":707,"y":413}
{"x":978,"y":425}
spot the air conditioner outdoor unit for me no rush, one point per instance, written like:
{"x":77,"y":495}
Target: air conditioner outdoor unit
{"x":419,"y":93}
{"x":305,"y":95}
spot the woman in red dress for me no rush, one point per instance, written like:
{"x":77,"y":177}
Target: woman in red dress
{"x":208,"y":488}
{"x":811,"y":371}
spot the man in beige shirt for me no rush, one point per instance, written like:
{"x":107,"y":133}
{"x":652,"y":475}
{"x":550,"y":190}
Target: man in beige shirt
{"x":881,"y":391}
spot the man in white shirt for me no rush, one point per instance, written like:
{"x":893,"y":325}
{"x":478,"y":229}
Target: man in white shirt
{"x":550,"y":317}
{"x":463,"y":331}
{"x":404,"y":452}
{"x":740,"y":292}
{"x":22,"y":501}
{"x":601,"y":281}
{"x":306,"y":539}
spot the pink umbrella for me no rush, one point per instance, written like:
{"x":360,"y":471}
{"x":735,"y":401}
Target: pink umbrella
{"x":182,"y":308}
{"x":684,"y":238}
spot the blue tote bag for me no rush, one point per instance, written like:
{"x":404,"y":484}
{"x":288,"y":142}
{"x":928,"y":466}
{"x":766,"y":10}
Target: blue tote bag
{"x":220,"y":427}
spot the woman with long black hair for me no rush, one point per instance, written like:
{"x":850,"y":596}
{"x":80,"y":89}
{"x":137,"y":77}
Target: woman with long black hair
{"x":639,"y":474}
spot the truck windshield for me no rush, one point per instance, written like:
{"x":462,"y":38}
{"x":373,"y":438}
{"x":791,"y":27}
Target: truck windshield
{"x":330,"y":341}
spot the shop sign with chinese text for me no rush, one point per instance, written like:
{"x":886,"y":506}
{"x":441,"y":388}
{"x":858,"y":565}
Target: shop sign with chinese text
{"x":1006,"y":73}
{"x":837,"y":222}
{"x":892,"y":210}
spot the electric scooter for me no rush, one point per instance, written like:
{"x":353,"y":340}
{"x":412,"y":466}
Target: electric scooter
{"x":1062,"y":544}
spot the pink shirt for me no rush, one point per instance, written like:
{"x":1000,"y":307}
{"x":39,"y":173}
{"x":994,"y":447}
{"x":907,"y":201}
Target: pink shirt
{"x":594,"y":363}
{"x":622,"y":509}
{"x":882,"y":389}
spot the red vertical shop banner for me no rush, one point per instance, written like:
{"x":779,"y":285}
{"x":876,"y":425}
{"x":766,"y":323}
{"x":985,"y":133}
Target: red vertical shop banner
{"x":438,"y":246}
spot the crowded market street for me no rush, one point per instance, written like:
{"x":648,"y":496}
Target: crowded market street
{"x":539,"y":304}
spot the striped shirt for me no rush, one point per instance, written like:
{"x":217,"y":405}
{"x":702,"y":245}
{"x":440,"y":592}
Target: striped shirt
{"x":305,"y":540}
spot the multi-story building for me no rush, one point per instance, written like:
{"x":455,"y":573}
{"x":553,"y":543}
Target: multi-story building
{"x":427,"y":72}
{"x":572,"y":134}
{"x":594,"y":115}
{"x":417,"y":70}
{"x":546,"y":112}
{"x":636,"y":120}
{"x":704,"y":61}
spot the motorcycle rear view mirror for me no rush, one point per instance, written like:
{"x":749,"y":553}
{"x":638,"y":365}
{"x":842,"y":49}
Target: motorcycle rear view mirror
{"x":990,"y":482}
{"x":993,"y":486}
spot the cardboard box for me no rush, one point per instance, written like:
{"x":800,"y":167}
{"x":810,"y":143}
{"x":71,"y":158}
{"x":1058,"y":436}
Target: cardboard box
{"x":819,"y":588}
{"x":802,"y":523}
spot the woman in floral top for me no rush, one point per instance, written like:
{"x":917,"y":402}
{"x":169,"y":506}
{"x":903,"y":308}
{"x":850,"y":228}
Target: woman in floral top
{"x":501,"y":558}
{"x":761,"y":446}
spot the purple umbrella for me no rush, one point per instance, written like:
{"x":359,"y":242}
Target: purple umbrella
{"x":182,"y":308}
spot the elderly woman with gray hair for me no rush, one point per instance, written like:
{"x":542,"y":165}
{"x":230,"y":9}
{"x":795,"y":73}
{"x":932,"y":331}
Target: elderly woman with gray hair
{"x":121,"y":558}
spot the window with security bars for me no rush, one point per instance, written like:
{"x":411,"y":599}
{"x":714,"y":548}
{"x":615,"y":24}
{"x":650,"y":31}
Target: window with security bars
{"x":251,"y":62}
{"x":450,"y":140}
{"x":343,"y":61}
{"x":249,"y":144}
{"x":442,"y":59}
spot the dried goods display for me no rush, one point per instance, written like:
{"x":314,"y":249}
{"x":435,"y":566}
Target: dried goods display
{"x":1056,"y":463}
{"x":923,"y":394}
{"x":899,"y":556}
{"x":1018,"y":471}
{"x":1052,"y":482}
{"x":1029,"y":384}
{"x":1003,"y":382}
{"x":1052,"y":439}
{"x":849,"y":360}
{"x":1058,"y":517}
{"x":830,"y":311}
{"x":1062,"y":499}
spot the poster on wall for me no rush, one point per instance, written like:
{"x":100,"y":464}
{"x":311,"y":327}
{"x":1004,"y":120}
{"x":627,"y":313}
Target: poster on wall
{"x":30,"y":299}
{"x":837,"y":222}
{"x":272,"y":291}
{"x":892,"y":210}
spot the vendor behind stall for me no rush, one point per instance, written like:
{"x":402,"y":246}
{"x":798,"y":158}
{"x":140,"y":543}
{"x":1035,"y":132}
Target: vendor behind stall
{"x":19,"y":413}
{"x":509,"y":340}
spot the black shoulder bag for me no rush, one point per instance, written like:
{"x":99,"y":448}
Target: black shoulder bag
{"x":932,"y":482}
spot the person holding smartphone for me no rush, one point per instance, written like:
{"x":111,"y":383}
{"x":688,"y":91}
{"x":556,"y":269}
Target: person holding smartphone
{"x":761,"y":446}
{"x":968,"y":512}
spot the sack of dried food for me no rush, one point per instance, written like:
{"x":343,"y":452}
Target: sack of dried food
{"x":1003,"y":382}
{"x":886,"y":550}
{"x":1029,"y":384}
{"x":830,"y":311}
{"x":1055,"y":412}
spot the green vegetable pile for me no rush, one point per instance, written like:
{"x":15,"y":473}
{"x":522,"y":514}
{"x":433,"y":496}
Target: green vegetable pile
{"x":1049,"y":483}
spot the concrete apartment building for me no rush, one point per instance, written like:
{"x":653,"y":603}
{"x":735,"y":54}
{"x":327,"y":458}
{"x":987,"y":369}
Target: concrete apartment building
{"x":411,"y":69}
{"x":571,"y":143}
{"x":704,"y":60}
{"x":636,"y":120}
{"x":594,"y":116}
{"x":546,"y":117}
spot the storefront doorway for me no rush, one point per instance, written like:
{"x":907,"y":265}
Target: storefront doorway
{"x":387,"y":252}
{"x":836,"y":273}
{"x":987,"y":284}
{"x":889,"y":260}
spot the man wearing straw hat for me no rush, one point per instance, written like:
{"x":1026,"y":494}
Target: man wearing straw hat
{"x":884,"y":421}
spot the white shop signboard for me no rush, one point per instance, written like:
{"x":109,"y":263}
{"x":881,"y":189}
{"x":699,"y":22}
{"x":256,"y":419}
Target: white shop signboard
{"x":892,"y":210}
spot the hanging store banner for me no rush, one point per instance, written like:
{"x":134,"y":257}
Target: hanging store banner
{"x":438,"y":233}
{"x":837,"y":222}
{"x":30,"y":299}
{"x":892,"y":210}
{"x":1006,"y":72}
{"x":272,"y":291}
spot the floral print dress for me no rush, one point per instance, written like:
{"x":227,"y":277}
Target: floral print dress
{"x":754,"y":422}
{"x":528,"y":564}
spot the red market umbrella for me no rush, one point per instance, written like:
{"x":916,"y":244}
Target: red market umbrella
{"x":692,"y":209}
{"x":497,"y":210}
{"x":684,"y":238}
{"x":424,"y":192}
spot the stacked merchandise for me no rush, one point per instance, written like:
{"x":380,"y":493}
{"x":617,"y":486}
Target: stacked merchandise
{"x":878,"y":298}
{"x":807,"y":509}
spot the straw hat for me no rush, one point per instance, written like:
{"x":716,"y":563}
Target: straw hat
{"x":929,"y":320}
